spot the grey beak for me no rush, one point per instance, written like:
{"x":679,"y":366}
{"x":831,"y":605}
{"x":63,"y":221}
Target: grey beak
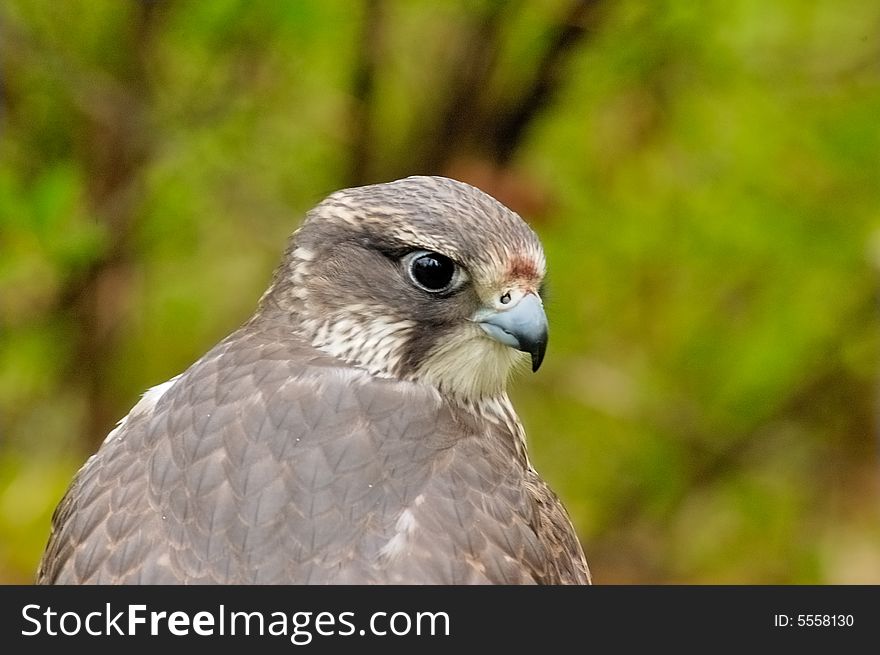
{"x":523,"y":326}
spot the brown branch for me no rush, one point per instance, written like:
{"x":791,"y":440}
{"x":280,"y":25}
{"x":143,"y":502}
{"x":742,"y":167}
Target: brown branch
{"x":115,"y":150}
{"x":581,"y":18}
{"x":363,"y":92}
{"x":473,"y":68}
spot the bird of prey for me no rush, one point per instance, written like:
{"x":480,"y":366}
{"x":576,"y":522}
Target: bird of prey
{"x":356,"y":430}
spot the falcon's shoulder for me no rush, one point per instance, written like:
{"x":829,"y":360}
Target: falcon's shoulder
{"x":485,"y":516}
{"x":266,"y":461}
{"x":566,"y":562}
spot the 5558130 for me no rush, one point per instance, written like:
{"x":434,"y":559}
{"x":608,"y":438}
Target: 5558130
{"x":813,"y":620}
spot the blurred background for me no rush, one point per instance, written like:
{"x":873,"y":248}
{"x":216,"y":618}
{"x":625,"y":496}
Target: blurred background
{"x":705,"y":178}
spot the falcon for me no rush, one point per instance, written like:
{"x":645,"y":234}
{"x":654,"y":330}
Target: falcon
{"x":356,"y":430}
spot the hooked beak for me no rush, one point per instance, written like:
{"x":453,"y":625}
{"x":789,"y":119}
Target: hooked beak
{"x":522,"y":326}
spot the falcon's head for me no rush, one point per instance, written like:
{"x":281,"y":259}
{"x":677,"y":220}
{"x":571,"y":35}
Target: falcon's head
{"x":423,"y":279}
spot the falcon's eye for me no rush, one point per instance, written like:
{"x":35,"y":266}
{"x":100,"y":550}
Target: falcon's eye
{"x":433,"y":272}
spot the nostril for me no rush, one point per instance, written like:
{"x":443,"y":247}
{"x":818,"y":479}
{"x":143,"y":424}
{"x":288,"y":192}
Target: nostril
{"x":505,"y":298}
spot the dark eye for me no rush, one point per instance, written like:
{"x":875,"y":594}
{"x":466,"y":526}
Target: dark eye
{"x":432,"y":271}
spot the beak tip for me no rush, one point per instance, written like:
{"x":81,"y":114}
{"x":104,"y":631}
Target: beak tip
{"x":523,"y":327}
{"x":538,"y":356}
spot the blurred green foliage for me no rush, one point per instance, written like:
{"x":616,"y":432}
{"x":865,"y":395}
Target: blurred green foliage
{"x":705,"y":177}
